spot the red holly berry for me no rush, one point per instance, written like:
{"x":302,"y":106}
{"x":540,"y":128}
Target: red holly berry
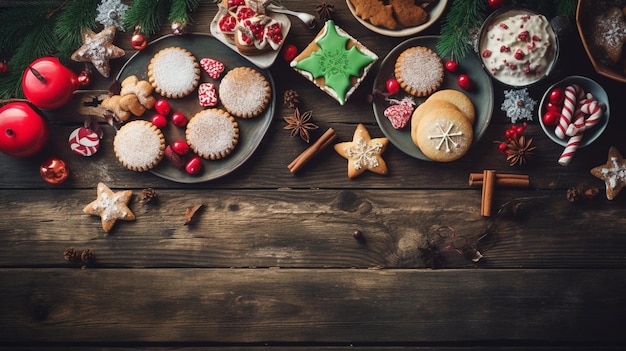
{"x":159,"y":120}
{"x":3,"y":67}
{"x":464,"y":81}
{"x":162,"y":106}
{"x":194,"y":165}
{"x":452,"y":66}
{"x":503,"y":147}
{"x":179,"y":119}
{"x":289,"y":52}
{"x":392,"y":86}
{"x":556,"y":96}
{"x":551,"y":118}
{"x":180,"y":147}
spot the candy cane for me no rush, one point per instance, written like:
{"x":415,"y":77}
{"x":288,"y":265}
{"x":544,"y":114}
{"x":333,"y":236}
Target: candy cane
{"x":573,"y":93}
{"x":595,"y":110}
{"x":573,"y":142}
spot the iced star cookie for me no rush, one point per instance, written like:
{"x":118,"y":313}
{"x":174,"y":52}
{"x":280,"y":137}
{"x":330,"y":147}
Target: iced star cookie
{"x":174,"y":72}
{"x":245,"y":92}
{"x":613,"y":173}
{"x":212,"y":133}
{"x":98,"y":49}
{"x":335,"y":62}
{"x":110,"y":206}
{"x":444,"y":135}
{"x":363,"y":153}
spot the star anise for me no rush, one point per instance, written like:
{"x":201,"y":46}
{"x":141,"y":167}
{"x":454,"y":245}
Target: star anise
{"x":519,"y":150}
{"x":299,"y":124}
{"x":325,"y":11}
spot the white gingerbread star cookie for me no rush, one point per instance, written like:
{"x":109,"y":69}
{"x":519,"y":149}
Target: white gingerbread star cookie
{"x":98,"y":49}
{"x":110,"y":206}
{"x":363,"y":153}
{"x":613,"y":173}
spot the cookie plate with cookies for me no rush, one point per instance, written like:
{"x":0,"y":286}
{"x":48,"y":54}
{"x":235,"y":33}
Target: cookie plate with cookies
{"x":397,"y":18}
{"x":402,"y":136}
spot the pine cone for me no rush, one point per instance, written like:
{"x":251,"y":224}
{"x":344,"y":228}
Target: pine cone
{"x":291,"y":98}
{"x":148,"y":195}
{"x":87,"y":256}
{"x":70,"y":254}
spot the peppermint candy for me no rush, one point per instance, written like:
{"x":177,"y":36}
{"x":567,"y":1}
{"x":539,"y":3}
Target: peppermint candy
{"x":400,"y":113}
{"x":212,"y":67}
{"x":207,"y":95}
{"x":84,"y":141}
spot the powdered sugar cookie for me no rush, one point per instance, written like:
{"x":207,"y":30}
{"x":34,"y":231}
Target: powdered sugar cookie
{"x":174,"y":72}
{"x":139,"y":145}
{"x":419,"y":71}
{"x":212,"y":133}
{"x":444,"y":135}
{"x":245,"y":92}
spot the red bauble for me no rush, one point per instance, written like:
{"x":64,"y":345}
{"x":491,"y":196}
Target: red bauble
{"x":464,"y":81}
{"x":392,"y":86}
{"x":54,"y":171}
{"x":48,"y":84}
{"x":84,"y":78}
{"x":3,"y":67}
{"x":551,"y":118}
{"x":23,"y":131}
{"x":138,"y":41}
{"x":495,"y":4}
{"x":556,"y":96}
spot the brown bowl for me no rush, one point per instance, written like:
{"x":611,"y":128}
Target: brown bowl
{"x":586,"y":12}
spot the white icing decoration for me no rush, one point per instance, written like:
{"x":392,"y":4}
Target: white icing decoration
{"x":446,"y":137}
{"x":614,"y":174}
{"x":364,"y":153}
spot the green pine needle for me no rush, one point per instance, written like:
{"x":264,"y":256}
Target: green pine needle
{"x":464,"y":15}
{"x":179,"y":12}
{"x":76,"y":16}
{"x":148,"y":14}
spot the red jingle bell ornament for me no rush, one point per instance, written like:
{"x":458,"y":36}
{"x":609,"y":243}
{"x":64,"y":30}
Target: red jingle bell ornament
{"x":48,"y":84}
{"x":23,"y":131}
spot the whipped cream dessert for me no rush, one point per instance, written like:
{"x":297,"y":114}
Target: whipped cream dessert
{"x":518,"y":49}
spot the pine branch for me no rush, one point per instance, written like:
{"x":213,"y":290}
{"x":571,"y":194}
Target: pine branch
{"x":76,"y":16}
{"x":149,"y":14}
{"x":179,"y":12}
{"x":464,"y":15}
{"x":21,"y":19}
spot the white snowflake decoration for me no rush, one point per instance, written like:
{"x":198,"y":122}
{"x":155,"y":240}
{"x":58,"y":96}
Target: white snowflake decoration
{"x":111,"y":13}
{"x":446,"y":137}
{"x":518,"y":105}
{"x":365,"y":153}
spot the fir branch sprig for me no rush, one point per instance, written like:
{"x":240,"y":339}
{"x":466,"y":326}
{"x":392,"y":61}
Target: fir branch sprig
{"x":149,"y":15}
{"x":464,"y":15}
{"x":76,"y":16}
{"x":180,"y":9}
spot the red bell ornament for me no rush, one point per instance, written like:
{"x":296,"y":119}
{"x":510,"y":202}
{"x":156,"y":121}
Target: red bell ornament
{"x":23,"y":131}
{"x":48,"y":84}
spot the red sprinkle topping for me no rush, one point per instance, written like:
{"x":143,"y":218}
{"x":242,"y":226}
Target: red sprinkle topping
{"x":487,"y":53}
{"x":519,"y":54}
{"x":503,"y":25}
{"x":524,"y":36}
{"x":505,"y":48}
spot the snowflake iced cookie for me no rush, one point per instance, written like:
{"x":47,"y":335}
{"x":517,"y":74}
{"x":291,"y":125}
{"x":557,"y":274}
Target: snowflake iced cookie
{"x":613,"y":173}
{"x":110,"y":206}
{"x":363,"y":153}
{"x":444,"y":134}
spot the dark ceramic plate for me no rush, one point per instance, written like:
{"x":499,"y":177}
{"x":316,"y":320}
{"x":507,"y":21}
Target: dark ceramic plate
{"x":481,"y":95}
{"x":251,"y":131}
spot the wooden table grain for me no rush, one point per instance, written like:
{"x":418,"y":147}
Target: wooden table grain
{"x":270,"y":260}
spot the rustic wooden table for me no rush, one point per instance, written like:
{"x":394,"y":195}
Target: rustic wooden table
{"x":270,"y":261}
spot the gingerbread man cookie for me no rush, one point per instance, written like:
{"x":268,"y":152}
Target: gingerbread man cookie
{"x":363,"y":153}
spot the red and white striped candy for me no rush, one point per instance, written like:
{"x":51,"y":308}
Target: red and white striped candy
{"x":573,"y":142}
{"x":84,"y":141}
{"x":212,"y":67}
{"x":573,"y":93}
{"x":595,"y":110}
{"x":400,"y":113}
{"x":207,"y":95}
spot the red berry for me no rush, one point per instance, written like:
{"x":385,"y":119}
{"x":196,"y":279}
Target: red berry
{"x":194,"y":165}
{"x":451,"y":66}
{"x":289,"y":52}
{"x":3,"y":67}
{"x":502,"y":147}
{"x":552,"y":107}
{"x":159,"y":120}
{"x":495,"y":4}
{"x":179,"y":119}
{"x":180,"y":147}
{"x":162,"y":107}
{"x":464,"y":81}
{"x":551,"y":118}
{"x":392,"y":86}
{"x":556,"y":96}
{"x":520,"y":130}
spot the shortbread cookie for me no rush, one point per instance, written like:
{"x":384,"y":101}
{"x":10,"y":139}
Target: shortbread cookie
{"x":458,"y":99}
{"x":444,"y":135}
{"x":174,"y":72}
{"x":363,"y":153}
{"x":419,"y":71}
{"x":425,"y":108}
{"x":110,"y":206}
{"x":212,"y":133}
{"x":139,"y":145}
{"x":245,"y":92}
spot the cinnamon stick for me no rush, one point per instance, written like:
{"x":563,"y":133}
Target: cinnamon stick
{"x":501,"y":179}
{"x":320,"y":144}
{"x":489,"y":179}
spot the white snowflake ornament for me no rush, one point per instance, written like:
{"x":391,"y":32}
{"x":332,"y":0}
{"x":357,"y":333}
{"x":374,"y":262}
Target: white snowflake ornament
{"x":518,"y":105}
{"x":111,"y":13}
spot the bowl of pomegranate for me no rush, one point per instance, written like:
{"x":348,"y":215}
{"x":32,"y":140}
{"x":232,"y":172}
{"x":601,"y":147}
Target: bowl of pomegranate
{"x":574,"y":110}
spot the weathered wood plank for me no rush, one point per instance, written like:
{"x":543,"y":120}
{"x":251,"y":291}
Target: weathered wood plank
{"x":310,"y":228}
{"x":311,"y":306}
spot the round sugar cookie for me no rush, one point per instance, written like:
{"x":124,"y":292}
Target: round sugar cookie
{"x":426,"y":107}
{"x":174,"y":72}
{"x":419,"y":71}
{"x":139,"y":145}
{"x":245,"y":92}
{"x":212,"y":133}
{"x":444,"y":135}
{"x":459,"y":99}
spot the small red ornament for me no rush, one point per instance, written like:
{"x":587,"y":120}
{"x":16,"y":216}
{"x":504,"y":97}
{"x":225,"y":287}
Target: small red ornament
{"x":495,"y":4}
{"x":23,"y":131}
{"x":290,"y":52}
{"x":179,"y":119}
{"x":162,"y":106}
{"x":556,"y":96}
{"x":138,"y":41}
{"x":54,"y":171}
{"x":551,"y":118}
{"x":194,"y":165}
{"x":159,"y":120}
{"x":392,"y":86}
{"x":552,"y":107}
{"x":464,"y":81}
{"x":177,"y":28}
{"x":180,"y":147}
{"x":451,"y":66}
{"x":84,"y":77}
